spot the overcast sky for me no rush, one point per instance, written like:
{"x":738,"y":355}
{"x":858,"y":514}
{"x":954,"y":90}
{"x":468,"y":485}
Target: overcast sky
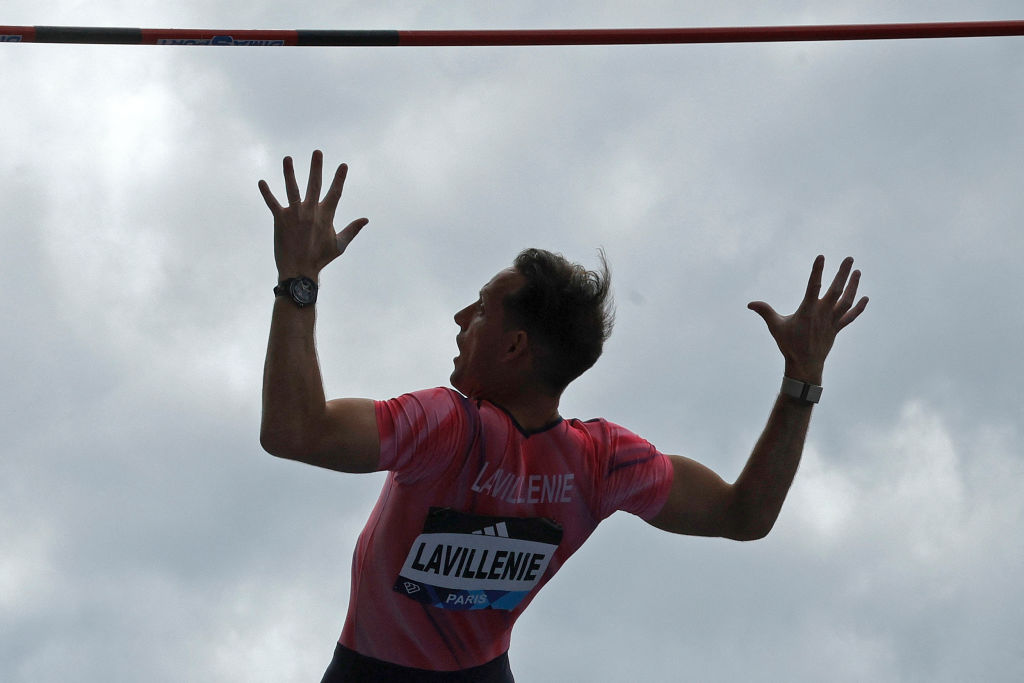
{"x":145,"y":536}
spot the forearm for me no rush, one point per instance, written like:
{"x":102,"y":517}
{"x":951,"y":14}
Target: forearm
{"x":700,"y":502}
{"x":293,"y":395}
{"x":762,"y":486}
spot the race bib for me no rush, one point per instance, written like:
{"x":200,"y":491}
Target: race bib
{"x":463,"y":561}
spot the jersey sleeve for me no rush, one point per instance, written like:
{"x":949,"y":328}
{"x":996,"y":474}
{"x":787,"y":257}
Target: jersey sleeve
{"x":638,"y":477}
{"x":420,"y":431}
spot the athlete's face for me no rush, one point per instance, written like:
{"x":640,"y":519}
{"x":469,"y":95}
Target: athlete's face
{"x":483,"y":337}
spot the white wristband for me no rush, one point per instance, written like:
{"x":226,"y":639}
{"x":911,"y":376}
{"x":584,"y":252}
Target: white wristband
{"x":801,"y":390}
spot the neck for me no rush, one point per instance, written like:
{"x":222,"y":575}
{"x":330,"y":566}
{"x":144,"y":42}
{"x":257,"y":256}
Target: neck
{"x":531,"y":410}
{"x":534,"y":415}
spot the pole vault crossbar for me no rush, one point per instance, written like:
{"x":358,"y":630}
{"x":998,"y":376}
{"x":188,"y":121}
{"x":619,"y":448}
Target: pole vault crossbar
{"x":496,"y":37}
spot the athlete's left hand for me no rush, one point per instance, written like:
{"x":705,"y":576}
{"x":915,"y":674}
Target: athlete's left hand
{"x":806,"y":337}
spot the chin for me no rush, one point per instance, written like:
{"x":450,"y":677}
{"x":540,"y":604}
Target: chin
{"x":456,"y":384}
{"x":461,"y":387}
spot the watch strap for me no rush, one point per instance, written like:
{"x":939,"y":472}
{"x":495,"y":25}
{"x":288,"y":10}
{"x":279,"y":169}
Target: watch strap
{"x":811,"y":393}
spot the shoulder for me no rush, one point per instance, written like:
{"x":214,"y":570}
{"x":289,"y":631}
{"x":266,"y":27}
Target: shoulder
{"x":421,"y":410}
{"x":605,"y":432}
{"x":437,"y":398}
{"x":634,"y":475}
{"x":443,"y":394}
{"x":421,"y":423}
{"x":618,"y":451}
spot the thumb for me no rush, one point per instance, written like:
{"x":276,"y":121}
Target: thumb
{"x":345,"y":237}
{"x":766,"y":312}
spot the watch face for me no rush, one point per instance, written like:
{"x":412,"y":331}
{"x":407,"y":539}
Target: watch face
{"x":303,"y":291}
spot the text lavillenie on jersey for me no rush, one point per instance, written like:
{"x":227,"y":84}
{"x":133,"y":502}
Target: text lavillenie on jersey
{"x":528,"y":488}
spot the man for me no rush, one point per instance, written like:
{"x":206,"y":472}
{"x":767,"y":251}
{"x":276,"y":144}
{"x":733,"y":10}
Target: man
{"x":489,"y":490}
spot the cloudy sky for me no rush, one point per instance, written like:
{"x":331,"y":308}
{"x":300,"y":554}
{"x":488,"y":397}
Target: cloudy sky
{"x":144,"y":535}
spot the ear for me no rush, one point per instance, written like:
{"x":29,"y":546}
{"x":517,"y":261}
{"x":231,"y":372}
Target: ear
{"x":517,"y":344}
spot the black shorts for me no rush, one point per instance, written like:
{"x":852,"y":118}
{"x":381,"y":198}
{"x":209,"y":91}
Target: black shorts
{"x":349,"y":666}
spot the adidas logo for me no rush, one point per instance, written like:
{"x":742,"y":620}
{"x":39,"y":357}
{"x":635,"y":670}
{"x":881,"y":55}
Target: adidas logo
{"x":498,"y":529}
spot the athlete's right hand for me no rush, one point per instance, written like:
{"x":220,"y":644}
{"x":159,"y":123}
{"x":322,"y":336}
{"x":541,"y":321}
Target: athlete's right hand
{"x":304,"y":237}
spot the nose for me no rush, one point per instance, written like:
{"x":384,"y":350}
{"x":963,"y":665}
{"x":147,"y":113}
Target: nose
{"x":461,"y":315}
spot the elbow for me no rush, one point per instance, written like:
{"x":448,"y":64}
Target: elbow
{"x":751,"y":527}
{"x":271,"y":445}
{"x":750,"y":518}
{"x":287,"y":434}
{"x":279,"y":444}
{"x":752,"y":533}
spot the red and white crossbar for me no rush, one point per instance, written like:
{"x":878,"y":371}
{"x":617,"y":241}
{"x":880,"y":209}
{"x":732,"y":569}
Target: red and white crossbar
{"x":495,"y":37}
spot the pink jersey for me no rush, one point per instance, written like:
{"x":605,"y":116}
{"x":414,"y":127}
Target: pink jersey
{"x":475,"y":517}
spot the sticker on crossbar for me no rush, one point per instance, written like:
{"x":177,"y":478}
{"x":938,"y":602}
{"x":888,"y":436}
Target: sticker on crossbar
{"x":217,"y":40}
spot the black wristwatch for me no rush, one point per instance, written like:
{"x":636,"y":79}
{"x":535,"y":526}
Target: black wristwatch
{"x":301,"y":290}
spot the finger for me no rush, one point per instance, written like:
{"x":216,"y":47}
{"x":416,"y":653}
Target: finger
{"x":852,"y":314}
{"x":766,"y":312}
{"x":814,"y":282}
{"x":839,"y":282}
{"x":291,"y":187}
{"x":269,"y":197}
{"x":346,"y":236}
{"x":333,"y":195}
{"x":850,"y":294}
{"x":316,"y":166}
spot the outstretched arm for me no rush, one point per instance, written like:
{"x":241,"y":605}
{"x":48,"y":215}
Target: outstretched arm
{"x":700,"y":502}
{"x":298,"y":422}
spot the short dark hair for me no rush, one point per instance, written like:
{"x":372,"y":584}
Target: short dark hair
{"x":566,"y":311}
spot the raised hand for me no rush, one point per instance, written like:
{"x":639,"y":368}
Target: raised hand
{"x":304,"y":237}
{"x":806,"y":337}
